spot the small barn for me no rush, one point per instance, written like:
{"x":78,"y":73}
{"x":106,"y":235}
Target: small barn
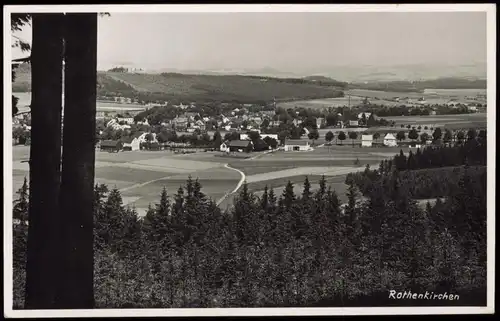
{"x":366,"y":140}
{"x":296,"y":145}
{"x":241,"y":146}
{"x":390,"y":140}
{"x":111,"y":145}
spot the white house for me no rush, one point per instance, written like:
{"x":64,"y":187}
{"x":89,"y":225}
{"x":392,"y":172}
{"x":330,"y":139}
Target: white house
{"x":224,"y":147}
{"x":126,"y":120}
{"x":472,"y":108}
{"x":131,"y":143}
{"x":366,"y":140}
{"x":390,"y":140}
{"x":296,"y":145}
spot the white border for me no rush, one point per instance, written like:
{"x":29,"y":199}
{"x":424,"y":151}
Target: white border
{"x":491,"y":125}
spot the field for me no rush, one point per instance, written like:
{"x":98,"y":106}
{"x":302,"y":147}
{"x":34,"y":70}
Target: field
{"x":25,"y":101}
{"x":276,"y":169}
{"x":447,"y":121}
{"x":141,"y":175}
{"x":432,"y":96}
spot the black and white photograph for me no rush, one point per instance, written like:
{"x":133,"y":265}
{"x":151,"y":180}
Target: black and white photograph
{"x":191,"y":160}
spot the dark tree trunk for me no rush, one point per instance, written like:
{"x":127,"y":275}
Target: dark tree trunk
{"x":45,"y":161}
{"x":76,"y":288}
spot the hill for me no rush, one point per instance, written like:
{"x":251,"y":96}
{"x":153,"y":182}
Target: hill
{"x":228,"y":88}
{"x":177,"y":87}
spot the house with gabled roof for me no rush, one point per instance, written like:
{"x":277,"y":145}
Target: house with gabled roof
{"x":240,"y":146}
{"x":390,"y":140}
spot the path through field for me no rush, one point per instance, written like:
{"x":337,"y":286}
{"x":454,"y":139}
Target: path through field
{"x":243,"y":178}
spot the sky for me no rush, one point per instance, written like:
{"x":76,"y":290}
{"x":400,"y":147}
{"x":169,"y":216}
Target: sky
{"x":287,"y":41}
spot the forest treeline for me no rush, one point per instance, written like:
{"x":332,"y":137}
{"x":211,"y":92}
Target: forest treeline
{"x":286,"y":250}
{"x":432,"y":172}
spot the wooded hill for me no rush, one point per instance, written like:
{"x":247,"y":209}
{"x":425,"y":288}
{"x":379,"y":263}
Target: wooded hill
{"x":176,"y":87}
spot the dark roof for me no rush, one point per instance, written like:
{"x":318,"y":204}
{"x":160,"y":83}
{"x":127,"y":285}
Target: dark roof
{"x":239,"y":143}
{"x":138,"y":134}
{"x":296,"y":142}
{"x":127,"y":140}
{"x":110,"y":143}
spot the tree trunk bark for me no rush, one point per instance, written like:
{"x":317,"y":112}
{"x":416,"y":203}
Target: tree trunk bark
{"x":75,"y":289}
{"x":45,"y":161}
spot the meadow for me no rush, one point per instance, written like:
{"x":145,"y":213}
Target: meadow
{"x":379,"y":97}
{"x":141,"y":175}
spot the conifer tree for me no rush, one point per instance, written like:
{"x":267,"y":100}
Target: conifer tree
{"x":272,"y":200}
{"x":306,"y":193}
{"x":244,"y":214}
{"x":20,"y":210}
{"x":264,"y":200}
{"x":288,"y":195}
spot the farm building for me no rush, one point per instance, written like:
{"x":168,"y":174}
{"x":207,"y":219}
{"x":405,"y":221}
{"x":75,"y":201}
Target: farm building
{"x":353,"y":123}
{"x":366,"y":140}
{"x":390,"y":140}
{"x":272,"y":136}
{"x":111,"y":145}
{"x":296,"y":145}
{"x":131,"y":143}
{"x":240,"y":146}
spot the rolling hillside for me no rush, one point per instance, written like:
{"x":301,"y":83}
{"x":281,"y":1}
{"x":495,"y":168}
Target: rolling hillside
{"x":176,"y":87}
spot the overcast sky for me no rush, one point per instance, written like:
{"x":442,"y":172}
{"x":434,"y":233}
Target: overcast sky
{"x":285,"y":41}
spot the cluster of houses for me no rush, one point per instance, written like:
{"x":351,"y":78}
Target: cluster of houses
{"x":191,"y":121}
{"x":246,"y":145}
